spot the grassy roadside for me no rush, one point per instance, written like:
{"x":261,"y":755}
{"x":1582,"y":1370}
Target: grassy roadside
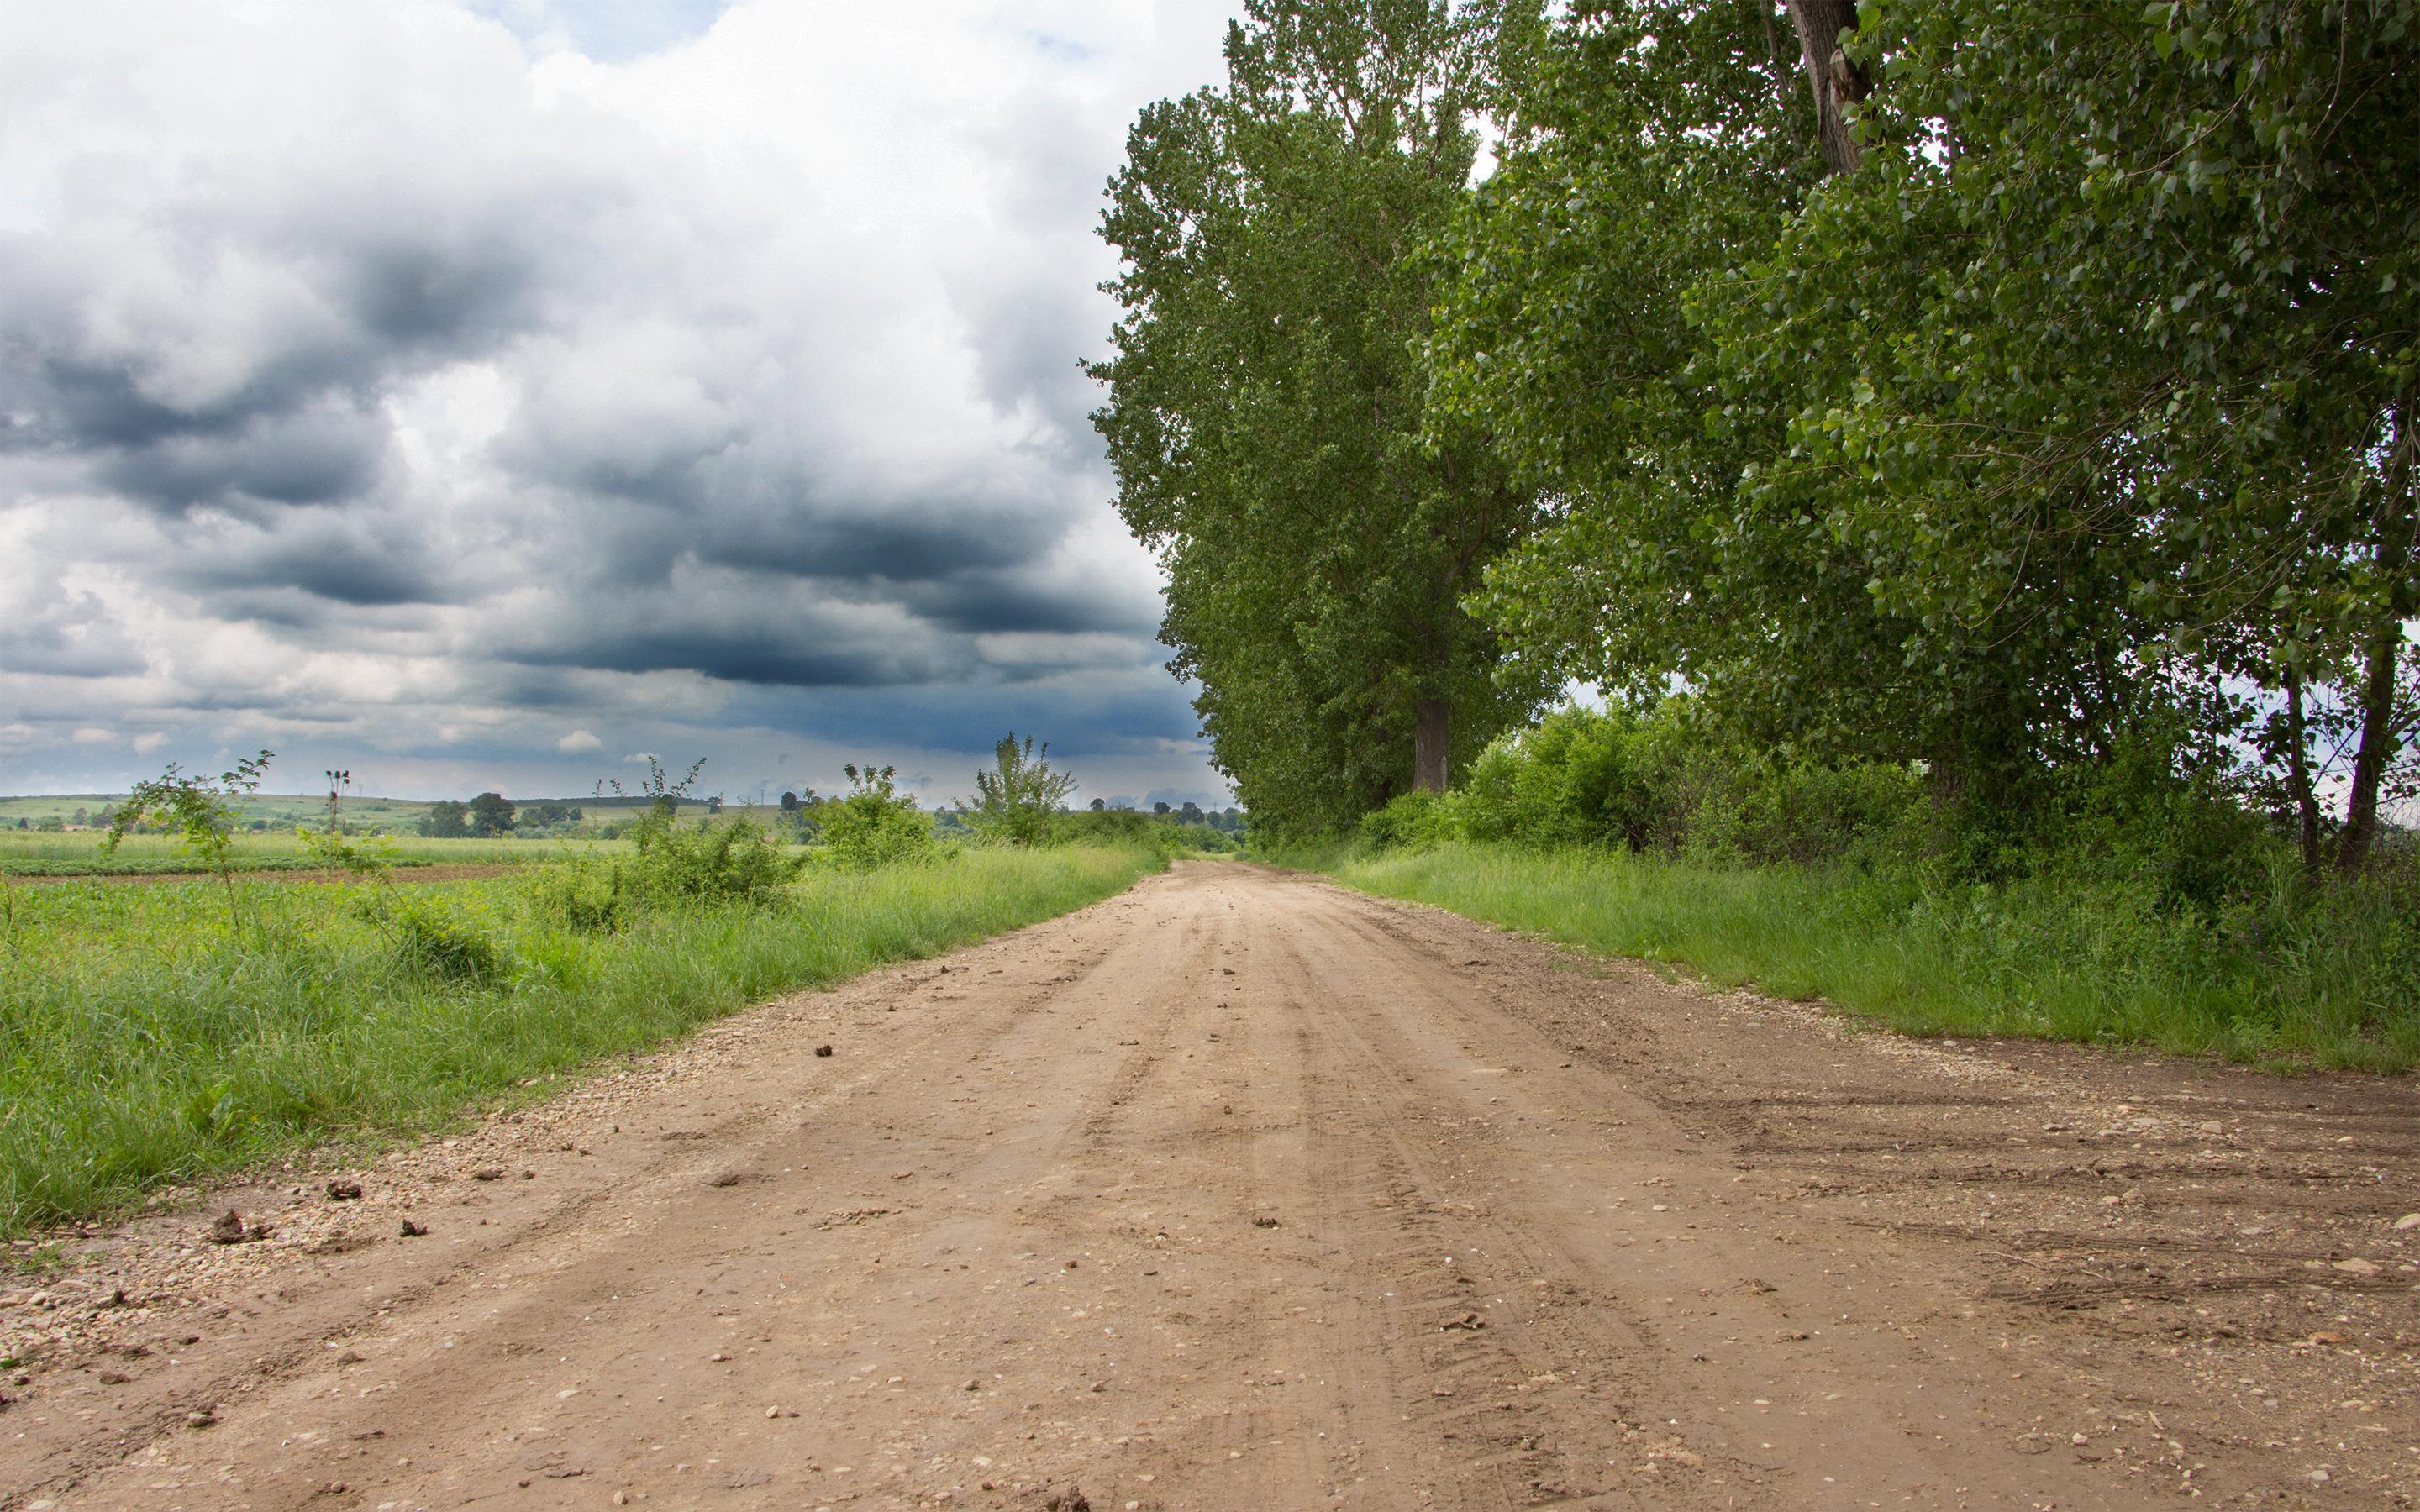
{"x":2042,"y":960}
{"x":147,"y":1040}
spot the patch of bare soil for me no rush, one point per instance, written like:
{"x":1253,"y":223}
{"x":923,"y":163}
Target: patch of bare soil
{"x":1241,"y":1190}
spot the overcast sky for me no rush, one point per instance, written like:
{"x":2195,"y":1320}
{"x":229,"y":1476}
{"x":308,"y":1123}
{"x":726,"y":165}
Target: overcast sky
{"x":477,"y":395}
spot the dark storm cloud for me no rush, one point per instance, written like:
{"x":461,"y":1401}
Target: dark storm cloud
{"x":327,"y":554}
{"x":319,"y":456}
{"x":70,"y":637}
{"x":995,"y":602}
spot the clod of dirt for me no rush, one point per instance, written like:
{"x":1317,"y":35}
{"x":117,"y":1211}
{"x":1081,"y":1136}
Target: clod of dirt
{"x":1070,"y":1500}
{"x":823,"y":1050}
{"x":729,"y":1178}
{"x":488,"y":1173}
{"x":413,"y":1230}
{"x":1264,"y":1220}
{"x":115,"y":1377}
{"x":201,"y":1417}
{"x":1759,"y":1289}
{"x":228,"y":1228}
{"x":2408,"y":1220}
{"x":344,"y":1191}
{"x":1469,"y":1320}
{"x":974,"y":1385}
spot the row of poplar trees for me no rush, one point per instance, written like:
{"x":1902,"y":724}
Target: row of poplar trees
{"x":1993,"y":385}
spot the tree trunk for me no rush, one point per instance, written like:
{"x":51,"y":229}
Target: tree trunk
{"x":2297,"y":771}
{"x":2379,"y":734}
{"x":1836,"y":82}
{"x":1428,"y":734}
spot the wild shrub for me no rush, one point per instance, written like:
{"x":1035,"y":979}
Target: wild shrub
{"x":441,"y":941}
{"x":872,"y":825}
{"x":1016,"y":800}
{"x":734,"y":861}
{"x":1412,"y":821}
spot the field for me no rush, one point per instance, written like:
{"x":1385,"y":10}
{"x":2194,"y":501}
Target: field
{"x":155,"y":1035}
{"x":79,"y":854}
{"x":279,"y":810}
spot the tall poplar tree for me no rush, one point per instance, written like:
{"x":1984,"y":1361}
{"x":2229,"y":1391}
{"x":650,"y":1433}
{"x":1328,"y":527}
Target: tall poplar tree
{"x":1264,"y":412}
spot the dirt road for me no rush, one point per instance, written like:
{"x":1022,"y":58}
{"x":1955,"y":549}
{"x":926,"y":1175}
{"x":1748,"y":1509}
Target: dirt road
{"x":1244,"y":1192}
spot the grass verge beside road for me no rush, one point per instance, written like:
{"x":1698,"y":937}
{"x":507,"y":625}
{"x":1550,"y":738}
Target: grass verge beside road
{"x":154,"y":1035}
{"x":2044,"y":959}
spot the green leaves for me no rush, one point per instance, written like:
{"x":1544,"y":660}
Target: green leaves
{"x":1264,"y":412}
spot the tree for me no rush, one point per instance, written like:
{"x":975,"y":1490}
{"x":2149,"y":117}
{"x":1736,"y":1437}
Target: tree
{"x":2148,"y":440}
{"x":789,"y":803}
{"x":1654,"y":146}
{"x":1264,"y":413}
{"x":2069,"y":415}
{"x":490,"y":815}
{"x":200,"y":810}
{"x":1016,"y":799}
{"x":446,"y":819}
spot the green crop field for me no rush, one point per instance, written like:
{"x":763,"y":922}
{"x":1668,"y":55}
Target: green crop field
{"x":82,"y":853}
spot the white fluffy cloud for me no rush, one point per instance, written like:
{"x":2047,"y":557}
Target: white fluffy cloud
{"x":401,"y":385}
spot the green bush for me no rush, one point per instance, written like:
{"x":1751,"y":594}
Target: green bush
{"x":1415,"y":819}
{"x":873,"y":826}
{"x":438,"y":939}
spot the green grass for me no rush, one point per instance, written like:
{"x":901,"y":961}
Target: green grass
{"x":2334,"y":982}
{"x":35,"y":854}
{"x":145,"y":1039}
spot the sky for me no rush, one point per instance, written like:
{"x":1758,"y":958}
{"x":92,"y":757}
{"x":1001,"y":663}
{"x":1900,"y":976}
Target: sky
{"x":483,"y":394}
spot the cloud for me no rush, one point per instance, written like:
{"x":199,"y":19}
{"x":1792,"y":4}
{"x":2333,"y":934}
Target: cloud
{"x":416,"y":381}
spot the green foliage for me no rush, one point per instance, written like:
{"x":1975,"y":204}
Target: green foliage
{"x":368,"y":857}
{"x":872,"y":825}
{"x":2078,"y":420}
{"x":1019,"y":799}
{"x":669,"y":865}
{"x":1265,"y":399}
{"x":440,"y":938}
{"x":446,"y":820}
{"x":197,"y":809}
{"x":489,"y":815}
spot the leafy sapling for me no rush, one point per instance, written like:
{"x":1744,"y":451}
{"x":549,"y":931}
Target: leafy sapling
{"x":200,"y":810}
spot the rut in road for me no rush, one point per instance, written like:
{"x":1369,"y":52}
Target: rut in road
{"x":1243,"y":1191}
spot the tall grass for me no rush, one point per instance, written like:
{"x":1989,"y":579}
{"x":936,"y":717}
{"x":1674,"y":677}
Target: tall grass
{"x":2331,"y":981}
{"x":148,"y":1038}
